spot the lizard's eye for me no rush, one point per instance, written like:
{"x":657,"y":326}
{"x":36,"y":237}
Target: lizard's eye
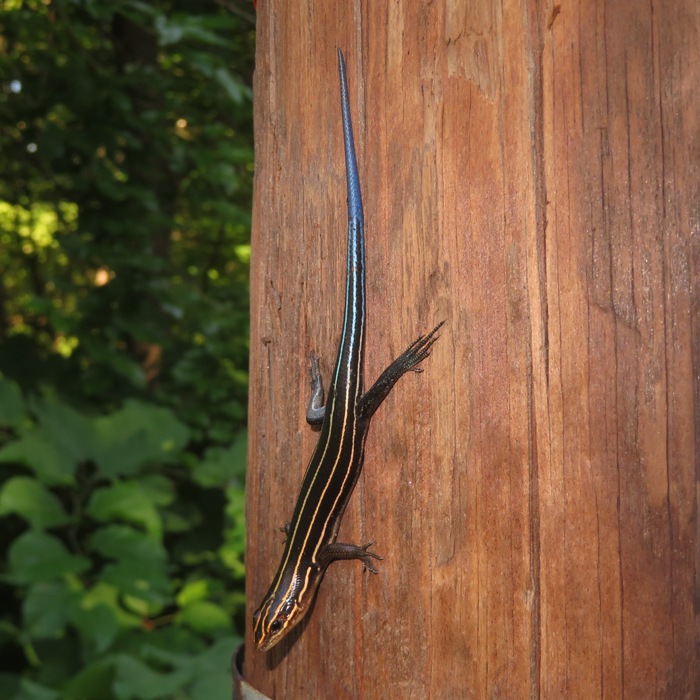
{"x":275,"y":626}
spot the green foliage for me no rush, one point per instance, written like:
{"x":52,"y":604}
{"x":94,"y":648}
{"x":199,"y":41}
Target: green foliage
{"x":126,"y":147}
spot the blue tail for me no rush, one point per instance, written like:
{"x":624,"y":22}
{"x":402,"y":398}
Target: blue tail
{"x":354,"y":196}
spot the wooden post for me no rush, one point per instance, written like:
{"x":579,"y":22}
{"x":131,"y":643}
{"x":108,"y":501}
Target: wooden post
{"x":530,"y":174}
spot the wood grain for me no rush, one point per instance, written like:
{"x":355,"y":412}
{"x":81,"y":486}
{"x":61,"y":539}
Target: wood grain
{"x":530,"y":174}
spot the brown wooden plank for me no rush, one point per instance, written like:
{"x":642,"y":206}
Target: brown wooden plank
{"x":530,"y":174}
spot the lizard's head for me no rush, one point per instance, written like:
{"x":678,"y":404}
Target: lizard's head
{"x":274,"y":619}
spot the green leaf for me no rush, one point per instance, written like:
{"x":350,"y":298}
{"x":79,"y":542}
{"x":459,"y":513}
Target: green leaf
{"x":62,"y":438}
{"x":139,"y":567}
{"x":72,"y":432}
{"x":136,"y":680}
{"x":48,"y":608}
{"x":217,"y":656}
{"x":149,"y":584}
{"x":93,"y":681}
{"x":160,"y":490}
{"x":182,"y":27}
{"x":123,"y":542}
{"x":31,"y":500}
{"x":216,"y":684}
{"x":204,"y":616}
{"x":193,"y":591}
{"x":98,"y":624}
{"x":220,"y":465}
{"x":135,"y":435}
{"x":12,"y":408}
{"x":105,"y":594}
{"x":47,"y":460}
{"x":16,"y":688}
{"x":36,"y":556}
{"x":233,"y":548}
{"x":126,"y":501}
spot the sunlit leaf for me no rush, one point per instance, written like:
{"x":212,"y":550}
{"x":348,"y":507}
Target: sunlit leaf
{"x":193,"y":591}
{"x":139,"y":567}
{"x":30,"y":499}
{"x":205,"y":616}
{"x":126,"y":500}
{"x":106,"y":594}
{"x":46,"y":459}
{"x":136,"y":579}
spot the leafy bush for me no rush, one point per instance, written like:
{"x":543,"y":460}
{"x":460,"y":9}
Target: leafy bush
{"x":116,"y":553}
{"x":126,"y":142}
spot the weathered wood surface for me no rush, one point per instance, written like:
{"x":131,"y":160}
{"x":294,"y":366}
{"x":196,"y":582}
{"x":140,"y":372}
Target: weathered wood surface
{"x":531,"y":175}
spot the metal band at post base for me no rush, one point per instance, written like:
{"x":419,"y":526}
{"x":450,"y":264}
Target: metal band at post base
{"x":242,"y":690}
